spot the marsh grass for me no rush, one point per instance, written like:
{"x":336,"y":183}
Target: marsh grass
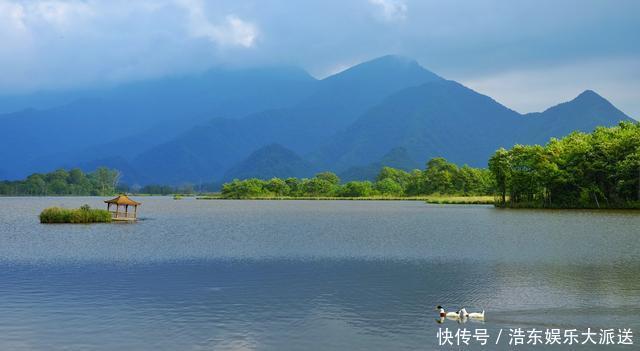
{"x":84,"y":214}
{"x":461,"y":200}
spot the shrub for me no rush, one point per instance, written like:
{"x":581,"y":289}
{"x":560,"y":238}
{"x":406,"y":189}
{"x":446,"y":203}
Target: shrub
{"x":357,"y":189}
{"x":388,"y":186}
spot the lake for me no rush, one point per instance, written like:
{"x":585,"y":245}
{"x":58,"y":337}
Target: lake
{"x":310,"y":275}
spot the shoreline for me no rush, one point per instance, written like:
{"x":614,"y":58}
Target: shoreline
{"x":444,"y":200}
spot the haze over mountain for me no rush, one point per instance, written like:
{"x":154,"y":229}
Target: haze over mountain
{"x":126,"y":120}
{"x":222,"y":124}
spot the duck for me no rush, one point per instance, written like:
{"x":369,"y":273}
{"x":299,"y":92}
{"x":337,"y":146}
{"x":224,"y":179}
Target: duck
{"x":442,"y":312}
{"x":476,"y":315}
{"x":460,"y":314}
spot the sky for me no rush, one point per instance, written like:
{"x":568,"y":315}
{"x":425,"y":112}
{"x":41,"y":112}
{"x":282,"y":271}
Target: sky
{"x":526,"y":54}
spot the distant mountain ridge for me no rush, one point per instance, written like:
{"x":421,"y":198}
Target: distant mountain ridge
{"x":397,"y":158}
{"x":139,"y":115}
{"x":203,"y":128}
{"x":270,"y":161}
{"x":303,"y":127}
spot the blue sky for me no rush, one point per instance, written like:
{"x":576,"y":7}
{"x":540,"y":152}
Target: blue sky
{"x":526,"y":54}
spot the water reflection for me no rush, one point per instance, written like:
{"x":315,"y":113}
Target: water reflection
{"x":308,"y":275}
{"x":278,"y":304}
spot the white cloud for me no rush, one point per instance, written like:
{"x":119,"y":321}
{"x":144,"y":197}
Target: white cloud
{"x":233,"y":31}
{"x":60,"y":14}
{"x":390,"y":10}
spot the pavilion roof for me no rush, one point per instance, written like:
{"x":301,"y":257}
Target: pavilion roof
{"x":122,"y":200}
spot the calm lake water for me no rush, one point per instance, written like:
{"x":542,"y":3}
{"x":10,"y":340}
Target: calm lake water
{"x":309,"y":275}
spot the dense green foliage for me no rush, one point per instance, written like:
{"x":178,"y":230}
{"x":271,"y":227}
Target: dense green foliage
{"x":596,"y":170}
{"x":439,"y":177}
{"x":84,"y":214}
{"x":101,"y":182}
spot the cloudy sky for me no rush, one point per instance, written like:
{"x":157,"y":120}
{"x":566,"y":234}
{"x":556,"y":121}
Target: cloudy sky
{"x":527,"y":54}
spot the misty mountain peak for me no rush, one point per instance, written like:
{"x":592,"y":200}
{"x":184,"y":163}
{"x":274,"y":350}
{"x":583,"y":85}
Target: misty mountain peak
{"x":386,"y":66}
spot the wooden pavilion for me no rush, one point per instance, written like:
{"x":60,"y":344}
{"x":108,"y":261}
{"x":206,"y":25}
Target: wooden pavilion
{"x":123,"y":200}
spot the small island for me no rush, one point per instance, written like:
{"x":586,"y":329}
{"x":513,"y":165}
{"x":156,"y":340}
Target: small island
{"x":84,"y":214}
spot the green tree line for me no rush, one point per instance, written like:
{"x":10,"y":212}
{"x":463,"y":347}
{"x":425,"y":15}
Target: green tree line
{"x":582,"y":170}
{"x":102,"y":182}
{"x":439,"y":177}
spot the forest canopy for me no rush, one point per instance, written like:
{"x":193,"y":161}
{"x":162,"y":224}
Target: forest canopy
{"x":101,"y":182}
{"x":582,"y":170}
{"x":439,"y":177}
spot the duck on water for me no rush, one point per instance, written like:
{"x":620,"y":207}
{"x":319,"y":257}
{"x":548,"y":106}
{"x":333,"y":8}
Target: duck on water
{"x":460,"y":314}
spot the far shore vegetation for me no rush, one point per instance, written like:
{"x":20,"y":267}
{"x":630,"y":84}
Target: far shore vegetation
{"x":432,"y":199}
{"x":101,"y":182}
{"x":440,"y":178}
{"x":582,"y":170}
{"x":84,"y":214}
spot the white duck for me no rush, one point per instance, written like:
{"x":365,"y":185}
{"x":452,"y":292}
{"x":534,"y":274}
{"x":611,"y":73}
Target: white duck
{"x":475,"y":315}
{"x":460,"y":314}
{"x":446,"y":314}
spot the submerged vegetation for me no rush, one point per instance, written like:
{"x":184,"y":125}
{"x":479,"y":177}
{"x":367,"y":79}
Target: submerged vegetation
{"x":84,"y":214}
{"x":101,"y":182}
{"x":439,"y":177}
{"x":583,"y":170}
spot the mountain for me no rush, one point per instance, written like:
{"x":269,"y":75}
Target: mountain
{"x":587,"y":111}
{"x":270,"y":161}
{"x":208,"y":150}
{"x":440,"y":118}
{"x":149,"y":112}
{"x":279,"y":121}
{"x":397,"y":158}
{"x":445,"y":118}
{"x":351,"y":92}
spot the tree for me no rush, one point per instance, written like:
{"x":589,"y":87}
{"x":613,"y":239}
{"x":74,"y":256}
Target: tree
{"x":278,"y":186}
{"x":356,"y":189}
{"x":330,"y":177}
{"x":76,"y":176}
{"x":599,"y":169}
{"x":318,"y":187}
{"x":388,"y":186}
{"x":240,"y":189}
{"x":500,"y":166}
{"x":294,"y":185}
{"x":62,"y":182}
{"x":415,"y":183}
{"x":439,"y":176}
{"x":397,"y":175}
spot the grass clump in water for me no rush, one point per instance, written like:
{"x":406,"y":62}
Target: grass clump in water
{"x":84,"y":214}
